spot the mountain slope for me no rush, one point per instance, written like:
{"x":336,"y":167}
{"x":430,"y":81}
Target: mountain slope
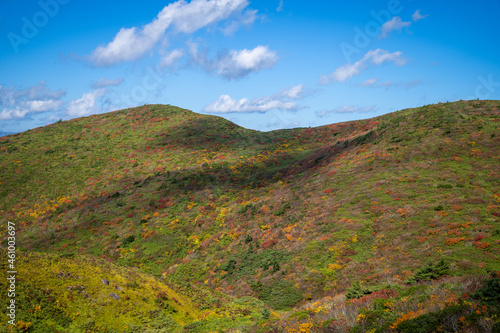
{"x":285,"y":216}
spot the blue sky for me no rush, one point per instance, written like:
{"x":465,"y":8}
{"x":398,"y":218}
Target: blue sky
{"x":262,"y":64}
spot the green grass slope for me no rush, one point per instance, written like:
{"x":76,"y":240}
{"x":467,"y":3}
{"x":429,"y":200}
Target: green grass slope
{"x":240,"y":227}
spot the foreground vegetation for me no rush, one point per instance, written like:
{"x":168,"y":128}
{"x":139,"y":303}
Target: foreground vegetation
{"x":157,"y":219}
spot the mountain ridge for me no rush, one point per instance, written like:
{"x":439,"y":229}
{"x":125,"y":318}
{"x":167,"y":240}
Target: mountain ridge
{"x":223,"y":213}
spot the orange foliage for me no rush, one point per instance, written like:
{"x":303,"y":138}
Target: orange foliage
{"x":453,"y":241}
{"x":481,"y":245}
{"x":433,"y":231}
{"x":148,"y":234}
{"x":406,"y":316}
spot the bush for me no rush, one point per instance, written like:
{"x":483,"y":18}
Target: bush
{"x":422,"y":324}
{"x":229,"y":266}
{"x":128,"y":240}
{"x":356,"y":291}
{"x":489,"y":293}
{"x":283,"y":209}
{"x":447,"y":320}
{"x":279,"y":295}
{"x":430,"y":272}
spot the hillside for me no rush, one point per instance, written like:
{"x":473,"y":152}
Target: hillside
{"x":196,"y":222}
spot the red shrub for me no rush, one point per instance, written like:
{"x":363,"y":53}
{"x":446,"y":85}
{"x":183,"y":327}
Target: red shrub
{"x":269,"y":243}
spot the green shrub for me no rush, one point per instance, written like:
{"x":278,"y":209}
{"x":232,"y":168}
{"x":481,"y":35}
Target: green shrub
{"x":283,"y":209}
{"x":229,"y":266}
{"x":489,"y":293}
{"x":299,"y":315}
{"x":430,"y":272}
{"x":356,"y":291}
{"x":248,"y":239}
{"x":445,"y":320}
{"x":128,"y":240}
{"x":279,"y":295}
{"x":422,"y":324}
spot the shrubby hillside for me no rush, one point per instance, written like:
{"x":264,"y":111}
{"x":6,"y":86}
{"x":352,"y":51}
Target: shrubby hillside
{"x":158,"y":219}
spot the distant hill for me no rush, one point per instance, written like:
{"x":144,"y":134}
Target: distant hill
{"x":6,"y":133}
{"x":157,"y":218}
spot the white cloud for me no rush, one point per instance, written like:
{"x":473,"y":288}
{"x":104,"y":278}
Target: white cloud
{"x":226,"y":104}
{"x":43,"y":106}
{"x":369,"y":82}
{"x":235,"y":64}
{"x":344,"y":72}
{"x":245,"y":19}
{"x":295,"y":92}
{"x":132,"y":43}
{"x":281,"y":101}
{"x":375,"y":57}
{"x":280,"y":6}
{"x":103,"y":83}
{"x":171,"y":58}
{"x":346,"y":109}
{"x":85,"y":105}
{"x":16,"y":112}
{"x":191,"y":17}
{"x":388,"y":84}
{"x":396,"y":23}
{"x":417,"y":16}
{"x":16,"y":103}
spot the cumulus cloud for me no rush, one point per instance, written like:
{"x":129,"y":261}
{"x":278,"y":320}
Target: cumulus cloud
{"x":374,"y":57}
{"x":396,"y":23}
{"x":12,"y":113}
{"x":103,"y":83}
{"x":280,"y":101}
{"x":346,"y":109}
{"x":417,"y":16}
{"x":85,"y":105}
{"x":132,"y":43}
{"x":235,"y":64}
{"x":15,"y":103}
{"x":43,"y":106}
